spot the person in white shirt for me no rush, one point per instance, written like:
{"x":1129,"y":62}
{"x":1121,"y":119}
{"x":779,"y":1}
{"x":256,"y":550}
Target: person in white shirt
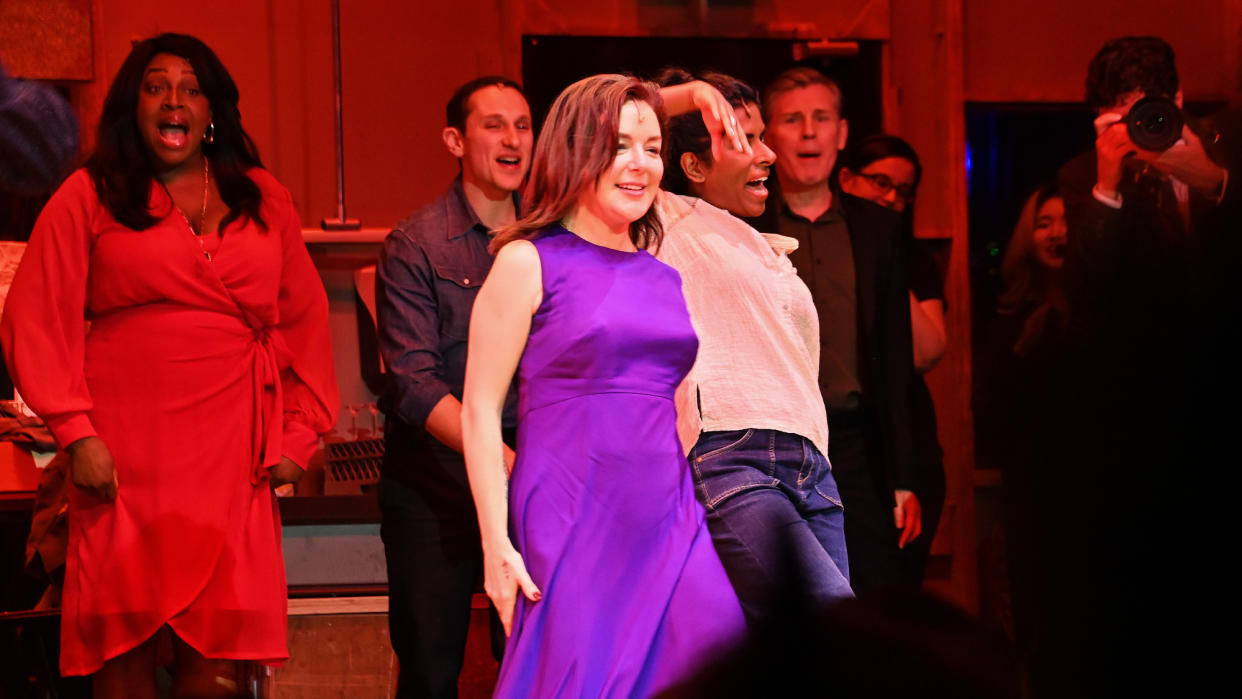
{"x":750,"y":413}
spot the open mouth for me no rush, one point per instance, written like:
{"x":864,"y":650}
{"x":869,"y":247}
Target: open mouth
{"x":510,"y":161}
{"x":174,"y":135}
{"x":757,"y":186}
{"x":631,"y":188}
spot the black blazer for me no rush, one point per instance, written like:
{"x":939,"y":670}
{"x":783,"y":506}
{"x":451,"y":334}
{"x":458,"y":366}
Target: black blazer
{"x":1138,"y":268}
{"x":885,"y":350}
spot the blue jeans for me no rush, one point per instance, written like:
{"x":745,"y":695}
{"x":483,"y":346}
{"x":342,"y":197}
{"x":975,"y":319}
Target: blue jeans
{"x":775,"y":517}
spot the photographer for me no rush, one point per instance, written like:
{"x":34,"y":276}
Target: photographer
{"x":1146,"y":365}
{"x":1150,"y":181}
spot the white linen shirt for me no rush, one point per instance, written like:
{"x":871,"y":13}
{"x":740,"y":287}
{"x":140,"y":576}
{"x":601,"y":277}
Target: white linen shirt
{"x":758,"y":331}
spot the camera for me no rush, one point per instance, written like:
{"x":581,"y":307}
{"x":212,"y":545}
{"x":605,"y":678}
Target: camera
{"x":1154,"y":123}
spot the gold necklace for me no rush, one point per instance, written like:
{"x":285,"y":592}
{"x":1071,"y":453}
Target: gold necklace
{"x":202,"y":214}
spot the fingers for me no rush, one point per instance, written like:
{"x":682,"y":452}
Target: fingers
{"x":718,"y":132}
{"x":740,"y":144}
{"x":1104,"y":121}
{"x":912,"y":530}
{"x":908,"y":516}
{"x":528,"y":586}
{"x":723,"y":126}
{"x":504,"y":609}
{"x":506,"y":574}
{"x":903,"y":526}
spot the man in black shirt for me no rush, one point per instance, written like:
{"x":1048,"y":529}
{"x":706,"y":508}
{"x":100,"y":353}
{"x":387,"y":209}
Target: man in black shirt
{"x":432,"y":266}
{"x":850,"y":255}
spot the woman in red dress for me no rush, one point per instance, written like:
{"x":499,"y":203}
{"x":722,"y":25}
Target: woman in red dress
{"x":168,"y":325}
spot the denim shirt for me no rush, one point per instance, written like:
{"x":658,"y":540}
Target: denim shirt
{"x":429,"y":273}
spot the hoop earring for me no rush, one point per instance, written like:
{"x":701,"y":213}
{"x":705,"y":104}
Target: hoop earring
{"x":209,"y":136}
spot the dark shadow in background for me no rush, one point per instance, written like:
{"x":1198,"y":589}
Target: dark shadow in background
{"x":1011,"y":149}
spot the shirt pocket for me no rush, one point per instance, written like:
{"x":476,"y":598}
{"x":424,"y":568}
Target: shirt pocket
{"x":456,"y":287}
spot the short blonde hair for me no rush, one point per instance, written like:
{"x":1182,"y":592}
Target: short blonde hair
{"x":794,"y":79}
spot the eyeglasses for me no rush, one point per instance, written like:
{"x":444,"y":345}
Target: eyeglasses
{"x":883,"y":183}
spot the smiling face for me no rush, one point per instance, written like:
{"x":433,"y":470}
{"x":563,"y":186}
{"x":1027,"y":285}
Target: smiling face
{"x":1050,"y":233}
{"x":736,"y":181}
{"x":626,"y":190}
{"x":495,"y":146}
{"x":173,"y":113}
{"x":806,"y":132}
{"x":888,"y":182}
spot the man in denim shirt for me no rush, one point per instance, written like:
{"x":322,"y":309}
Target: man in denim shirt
{"x":429,"y":273}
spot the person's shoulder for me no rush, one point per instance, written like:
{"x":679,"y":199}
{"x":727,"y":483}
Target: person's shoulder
{"x":267,"y":183}
{"x":277,"y":200}
{"x":78,"y":182}
{"x":863,"y":212}
{"x":519,"y":258}
{"x":79,"y":187}
{"x":671,"y":207}
{"x":1078,"y":173}
{"x":430,"y":222}
{"x":710,"y":217}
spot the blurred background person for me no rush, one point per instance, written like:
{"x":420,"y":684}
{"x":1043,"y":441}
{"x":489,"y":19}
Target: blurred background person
{"x":886,"y":170}
{"x":205,"y":378}
{"x":1019,"y":403}
{"x":38,"y":136}
{"x":1150,"y":282}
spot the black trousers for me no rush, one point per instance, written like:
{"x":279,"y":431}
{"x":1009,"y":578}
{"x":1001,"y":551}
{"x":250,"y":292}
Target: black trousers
{"x":870,"y":534}
{"x":434,"y":561}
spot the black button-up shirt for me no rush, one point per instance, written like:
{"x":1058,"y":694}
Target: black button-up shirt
{"x":825,"y":261}
{"x":429,"y":273}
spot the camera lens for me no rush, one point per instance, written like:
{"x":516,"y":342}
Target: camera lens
{"x":1154,"y":123}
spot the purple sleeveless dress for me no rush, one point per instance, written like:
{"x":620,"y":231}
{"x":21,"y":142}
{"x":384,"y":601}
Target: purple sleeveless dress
{"x":602,"y":505}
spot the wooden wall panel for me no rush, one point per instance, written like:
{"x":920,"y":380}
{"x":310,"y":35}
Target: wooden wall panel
{"x":1038,"y":50}
{"x":927,"y":109}
{"x":47,"y":39}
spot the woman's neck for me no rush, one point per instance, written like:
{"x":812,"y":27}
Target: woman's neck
{"x":192,"y":167}
{"x":586,"y":224}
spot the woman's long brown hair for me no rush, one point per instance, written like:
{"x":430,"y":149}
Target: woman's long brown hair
{"x":577,"y":144}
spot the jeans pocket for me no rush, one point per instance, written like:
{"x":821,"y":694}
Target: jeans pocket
{"x":715,"y":451}
{"x":725,"y":466}
{"x":826,"y":487}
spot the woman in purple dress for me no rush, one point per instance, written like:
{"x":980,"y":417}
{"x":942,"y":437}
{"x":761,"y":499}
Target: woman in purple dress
{"x":622,"y":591}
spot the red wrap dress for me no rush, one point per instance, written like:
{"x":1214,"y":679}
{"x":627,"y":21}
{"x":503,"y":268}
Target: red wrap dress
{"x":205,"y":361}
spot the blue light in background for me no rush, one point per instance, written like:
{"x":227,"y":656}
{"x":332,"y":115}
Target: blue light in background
{"x":970,"y":164}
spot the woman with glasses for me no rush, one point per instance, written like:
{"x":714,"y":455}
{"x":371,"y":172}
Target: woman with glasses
{"x":886,"y":170}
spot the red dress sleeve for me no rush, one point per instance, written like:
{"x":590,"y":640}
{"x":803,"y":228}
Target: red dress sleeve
{"x":44,"y":323}
{"x":311,"y":397}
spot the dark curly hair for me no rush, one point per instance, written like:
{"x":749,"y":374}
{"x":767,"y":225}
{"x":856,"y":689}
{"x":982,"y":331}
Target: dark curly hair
{"x":121,"y":166}
{"x":686,"y":132}
{"x":1129,"y":64}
